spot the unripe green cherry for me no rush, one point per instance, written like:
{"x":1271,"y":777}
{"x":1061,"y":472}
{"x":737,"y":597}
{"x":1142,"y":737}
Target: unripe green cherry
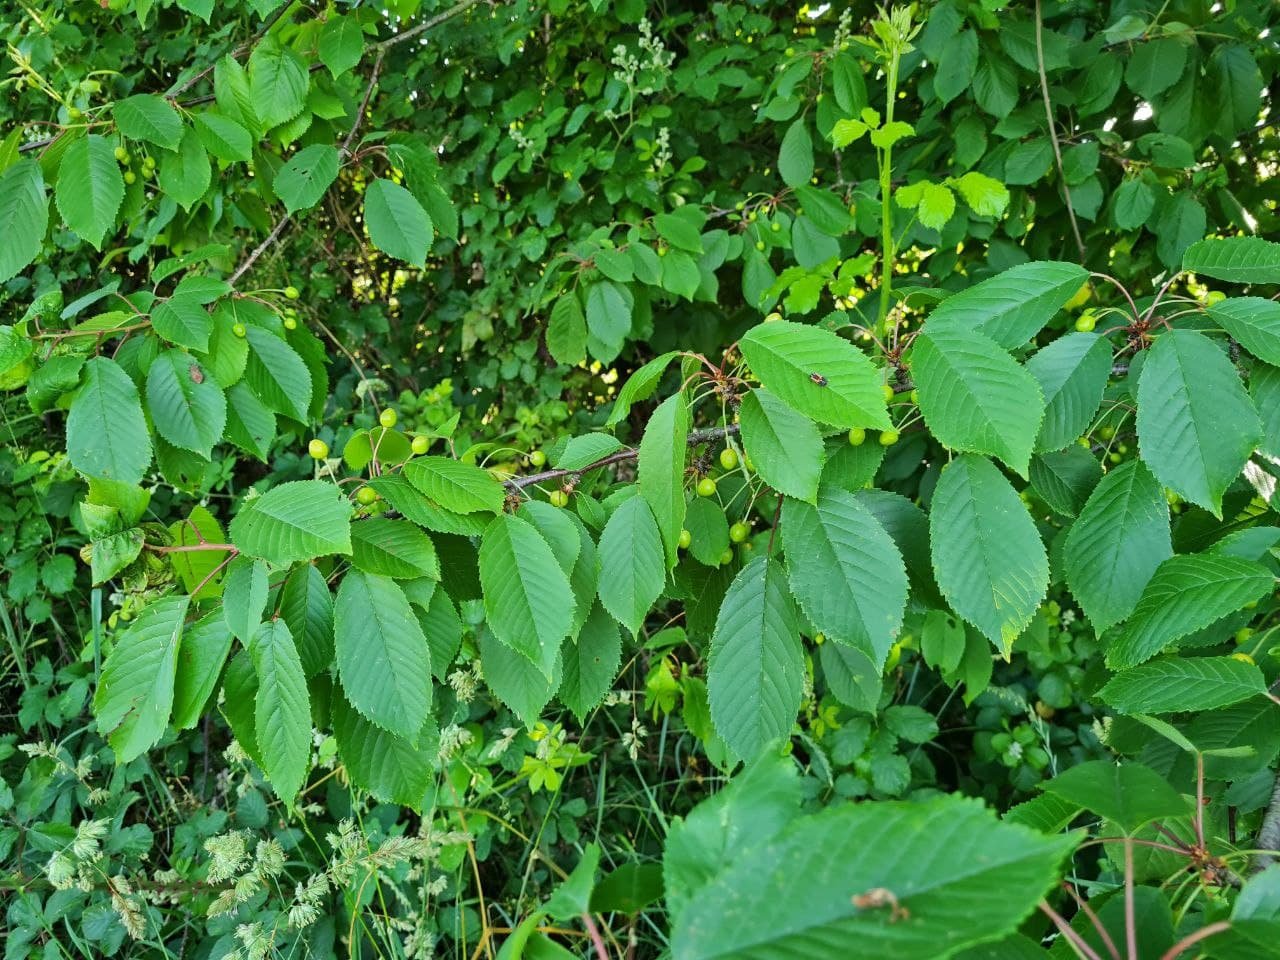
{"x":738,"y":532}
{"x":888,"y":438}
{"x":728,"y":458}
{"x":857,"y":436}
{"x":121,"y":154}
{"x":130,"y":177}
{"x":318,"y":449}
{"x":74,"y":113}
{"x":290,"y":323}
{"x":537,"y":458}
{"x":1086,"y":322}
{"x":760,"y":245}
{"x":559,"y":498}
{"x":776,"y":227}
{"x":366,"y":496}
{"x":419,"y":445}
{"x":887,"y":391}
{"x":685,"y":539}
{"x":727,"y":556}
{"x":388,"y":417}
{"x":238,"y":329}
{"x":291,"y":292}
{"x":706,"y":487}
{"x":773,"y":317}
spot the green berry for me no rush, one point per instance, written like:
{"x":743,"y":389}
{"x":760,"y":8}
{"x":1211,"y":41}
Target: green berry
{"x":773,"y":317}
{"x":727,"y":556}
{"x":776,"y":227}
{"x":706,"y":487}
{"x":130,"y":177}
{"x":729,"y":458}
{"x":291,"y":292}
{"x":537,"y":458}
{"x":887,"y":391}
{"x":738,"y":532}
{"x":388,"y":418}
{"x":419,"y":445}
{"x":290,"y":323}
{"x":857,"y":436}
{"x":662,"y":251}
{"x":888,"y":438}
{"x":121,"y":154}
{"x":318,"y":449}
{"x":366,"y":496}
{"x":148,"y":163}
{"x":74,"y":113}
{"x":686,"y":538}
{"x":238,"y":329}
{"x":559,"y":498}
{"x":760,"y":245}
{"x":1086,"y":322}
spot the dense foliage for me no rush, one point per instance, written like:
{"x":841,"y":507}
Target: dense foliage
{"x":587,"y":478}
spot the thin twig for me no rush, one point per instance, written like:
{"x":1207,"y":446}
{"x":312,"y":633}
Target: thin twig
{"x":1202,"y":934}
{"x":426,"y":25}
{"x":238,"y":52}
{"x":1053,"y":134}
{"x":1088,"y":911}
{"x":596,"y":940}
{"x":1130,"y":917}
{"x":1073,"y":938}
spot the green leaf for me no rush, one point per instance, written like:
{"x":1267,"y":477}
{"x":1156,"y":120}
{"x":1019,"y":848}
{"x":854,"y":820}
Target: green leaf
{"x":1072,"y":372}
{"x":282,"y":709}
{"x":107,"y":435}
{"x":985,"y":196}
{"x":784,"y":445}
{"x":196,"y":568}
{"x":383,"y":659}
{"x":609,"y":307}
{"x":587,"y":449}
{"x":393,"y":769}
{"x":456,"y":486}
{"x":755,"y":673}
{"x":708,"y":529}
{"x":1254,"y":322}
{"x":987,"y":555}
{"x":678,"y":231}
{"x":406,"y":500}
{"x":527,"y":598}
{"x":393,"y":548}
{"x":182,"y":320}
{"x":307,"y":607}
{"x":937,"y":204}
{"x":277,"y":375}
{"x":295,"y":521}
{"x":956,"y":65}
{"x":1129,"y":795}
{"x":942,"y":641}
{"x":795,"y":156}
{"x":1234,"y":259}
{"x":827,"y":211}
{"x":397,"y":224}
{"x":567,"y":331}
{"x":846,"y":571}
{"x":302,"y":182}
{"x":150,"y":118}
{"x":1013,"y":306}
{"x":24,"y":216}
{"x":960,"y":875}
{"x":1115,"y":546}
{"x":631,"y":568}
{"x":223,"y":137}
{"x":135,"y":690}
{"x":639,"y":386}
{"x":1065,"y":478}
{"x":244,"y":597}
{"x":443,"y":630}
{"x":1155,"y":66}
{"x":278,"y":81}
{"x":1186,"y":594}
{"x":204,"y":649}
{"x":1181,"y":684}
{"x":516,"y":681}
{"x":1196,"y":424}
{"x":590,"y":663}
{"x":113,"y":553}
{"x":660,"y":469}
{"x":90,"y":188}
{"x":1132,"y":204}
{"x":185,"y":175}
{"x":250,"y":425}
{"x":785,"y":355}
{"x":187,"y":407}
{"x":974,"y":396}
{"x":341,"y":44}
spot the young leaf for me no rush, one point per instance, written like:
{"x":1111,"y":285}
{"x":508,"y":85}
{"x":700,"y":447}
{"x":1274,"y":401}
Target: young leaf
{"x":1196,"y":424}
{"x":846,"y":571}
{"x":785,"y":356}
{"x":631,"y":568}
{"x":609,"y":307}
{"x":755,"y":673}
{"x":107,"y":435}
{"x":383,"y":659}
{"x":1119,"y":540}
{"x":527,"y":598}
{"x":974,"y":396}
{"x":397,"y":224}
{"x":295,"y":521}
{"x":278,"y":82}
{"x":660,"y":469}
{"x":987,"y":555}
{"x":282,"y":710}
{"x":135,"y":690}
{"x":1186,"y":594}
{"x":784,"y":445}
{"x":90,"y":188}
